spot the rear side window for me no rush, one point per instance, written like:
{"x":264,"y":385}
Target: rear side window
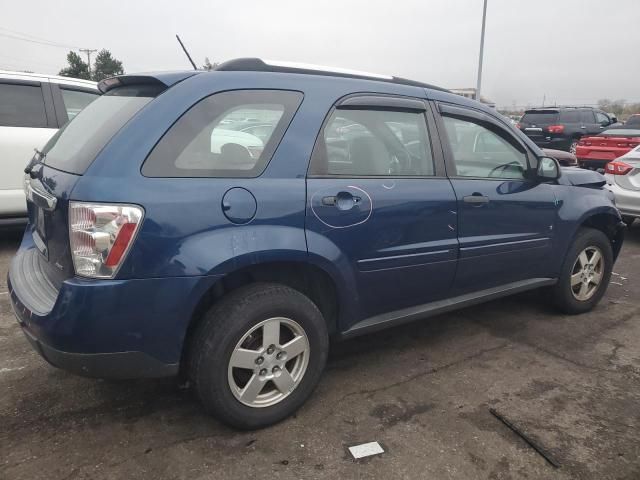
{"x":570,"y":116}
{"x":361,"y":143}
{"x":22,"y":106}
{"x":229,"y":134}
{"x":74,"y":147}
{"x":587,"y":116}
{"x":75,"y":100}
{"x":539,"y":118}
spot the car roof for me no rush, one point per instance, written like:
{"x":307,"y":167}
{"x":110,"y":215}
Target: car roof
{"x":263,"y":65}
{"x":40,"y":77}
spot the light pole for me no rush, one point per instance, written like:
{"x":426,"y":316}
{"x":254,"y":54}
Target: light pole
{"x":479,"y":84}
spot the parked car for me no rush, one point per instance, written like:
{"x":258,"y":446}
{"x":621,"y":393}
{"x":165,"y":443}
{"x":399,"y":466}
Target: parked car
{"x":561,"y":128}
{"x":595,"y":152}
{"x":633,"y":121}
{"x":623,"y":179}
{"x":140,"y":261}
{"x":32,"y":108}
{"x":565,"y":159}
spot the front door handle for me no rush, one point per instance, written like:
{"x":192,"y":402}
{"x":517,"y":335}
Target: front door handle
{"x":477,"y":199}
{"x":342,"y":201}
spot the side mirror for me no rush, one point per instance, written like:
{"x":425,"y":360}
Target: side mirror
{"x":548,"y":169}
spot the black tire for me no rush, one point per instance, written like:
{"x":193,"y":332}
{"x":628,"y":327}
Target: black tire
{"x":628,"y":220}
{"x":225,"y":324}
{"x":563,"y":294}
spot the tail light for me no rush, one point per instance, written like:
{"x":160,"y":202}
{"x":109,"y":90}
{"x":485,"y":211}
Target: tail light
{"x":555,"y":128}
{"x":618,"y":167}
{"x":101,"y":235}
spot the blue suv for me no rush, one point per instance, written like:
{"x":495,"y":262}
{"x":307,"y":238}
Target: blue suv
{"x":224,"y":225}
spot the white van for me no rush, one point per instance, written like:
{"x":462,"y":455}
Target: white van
{"x":32,"y":108}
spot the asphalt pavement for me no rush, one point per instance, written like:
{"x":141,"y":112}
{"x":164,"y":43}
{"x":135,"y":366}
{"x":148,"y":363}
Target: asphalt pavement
{"x":423,"y":391}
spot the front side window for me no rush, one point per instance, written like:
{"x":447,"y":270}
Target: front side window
{"x":229,"y":134}
{"x":482,"y":153}
{"x":602,"y":119}
{"x":22,"y":106}
{"x":360,"y":143}
{"x":75,"y":100}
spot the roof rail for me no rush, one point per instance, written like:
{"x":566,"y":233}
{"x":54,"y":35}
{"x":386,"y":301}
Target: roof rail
{"x":260,"y":65}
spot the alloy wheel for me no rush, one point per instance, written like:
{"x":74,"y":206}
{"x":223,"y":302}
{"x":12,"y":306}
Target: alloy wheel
{"x":268,"y":362}
{"x":587,"y":273}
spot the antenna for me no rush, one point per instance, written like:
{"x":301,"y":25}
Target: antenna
{"x":186,"y":53}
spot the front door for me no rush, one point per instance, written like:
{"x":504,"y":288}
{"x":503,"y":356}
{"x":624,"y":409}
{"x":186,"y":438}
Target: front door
{"x":380,"y":207}
{"x":505,"y":217}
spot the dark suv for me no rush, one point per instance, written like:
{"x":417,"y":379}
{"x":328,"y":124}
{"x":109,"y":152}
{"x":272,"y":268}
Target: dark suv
{"x":165,"y":238}
{"x":561,"y":128}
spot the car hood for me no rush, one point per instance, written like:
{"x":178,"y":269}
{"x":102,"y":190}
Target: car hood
{"x":579,"y":177}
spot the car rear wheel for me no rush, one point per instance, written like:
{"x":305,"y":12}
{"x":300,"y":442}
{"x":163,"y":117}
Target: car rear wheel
{"x":585,"y":273}
{"x":573,"y":145}
{"x":258,"y":355}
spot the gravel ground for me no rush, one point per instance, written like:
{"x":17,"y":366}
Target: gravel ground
{"x":423,"y":391}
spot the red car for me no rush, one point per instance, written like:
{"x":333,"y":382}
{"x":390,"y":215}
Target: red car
{"x":595,"y":152}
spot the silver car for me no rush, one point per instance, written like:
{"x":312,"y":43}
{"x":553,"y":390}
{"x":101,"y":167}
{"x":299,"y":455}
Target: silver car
{"x":623,"y":179}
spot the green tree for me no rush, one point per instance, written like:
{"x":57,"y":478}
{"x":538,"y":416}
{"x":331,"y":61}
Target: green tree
{"x":76,"y":68}
{"x":106,"y":66}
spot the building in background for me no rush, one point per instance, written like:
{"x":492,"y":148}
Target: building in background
{"x":471,"y":93}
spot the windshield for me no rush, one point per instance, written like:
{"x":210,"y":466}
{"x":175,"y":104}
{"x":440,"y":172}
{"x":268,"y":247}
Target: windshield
{"x":74,"y":147}
{"x":539,"y":118}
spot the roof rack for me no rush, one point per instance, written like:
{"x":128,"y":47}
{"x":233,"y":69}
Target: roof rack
{"x":552,"y":107}
{"x":260,"y":65}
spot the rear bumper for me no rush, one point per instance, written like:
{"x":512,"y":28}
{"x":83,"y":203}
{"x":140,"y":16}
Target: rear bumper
{"x":627,"y":201}
{"x":551,"y":142}
{"x":106,"y":328}
{"x":591,"y":163}
{"x":120,"y":365}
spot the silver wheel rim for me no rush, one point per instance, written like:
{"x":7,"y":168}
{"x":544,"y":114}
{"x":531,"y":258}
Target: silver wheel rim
{"x":268,"y":362}
{"x":573,"y":147}
{"x":587,"y":273}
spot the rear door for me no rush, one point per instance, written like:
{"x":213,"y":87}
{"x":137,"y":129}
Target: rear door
{"x":379,"y":204}
{"x":505,"y":219}
{"x":588,"y":123}
{"x":27,"y":121}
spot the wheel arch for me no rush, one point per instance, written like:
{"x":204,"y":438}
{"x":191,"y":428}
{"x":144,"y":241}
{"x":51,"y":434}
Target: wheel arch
{"x":609,"y":222}
{"x":308,"y":278}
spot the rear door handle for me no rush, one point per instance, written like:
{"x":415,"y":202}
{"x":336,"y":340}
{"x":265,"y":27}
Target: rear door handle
{"x":342,"y":201}
{"x":476,"y":199}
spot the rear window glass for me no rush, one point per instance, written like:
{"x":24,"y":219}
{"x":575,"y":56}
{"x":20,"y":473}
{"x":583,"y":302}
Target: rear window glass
{"x":21,"y":106}
{"x":539,"y":118}
{"x":570,"y":116}
{"x":229,"y":134}
{"x":74,"y":147}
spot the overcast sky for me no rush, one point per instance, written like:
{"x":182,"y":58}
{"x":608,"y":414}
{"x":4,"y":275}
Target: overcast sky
{"x":572,"y":51}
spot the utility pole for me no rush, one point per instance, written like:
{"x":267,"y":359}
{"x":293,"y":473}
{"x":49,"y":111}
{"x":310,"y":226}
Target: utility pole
{"x":479,"y":84}
{"x":89,"y":51}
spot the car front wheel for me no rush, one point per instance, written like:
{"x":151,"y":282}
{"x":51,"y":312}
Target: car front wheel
{"x":585,"y":273}
{"x":258,"y":355}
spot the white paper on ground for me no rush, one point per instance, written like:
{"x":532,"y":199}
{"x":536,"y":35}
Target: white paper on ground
{"x":366,"y":450}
